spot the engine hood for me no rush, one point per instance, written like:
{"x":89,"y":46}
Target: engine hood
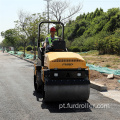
{"x":64,"y":60}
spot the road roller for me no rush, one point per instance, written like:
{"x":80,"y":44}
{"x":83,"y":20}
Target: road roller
{"x":60,"y":75}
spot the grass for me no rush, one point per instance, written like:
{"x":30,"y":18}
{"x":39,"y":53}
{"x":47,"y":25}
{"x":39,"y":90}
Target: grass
{"x":107,"y":65}
{"x":93,"y":57}
{"x":92,"y":52}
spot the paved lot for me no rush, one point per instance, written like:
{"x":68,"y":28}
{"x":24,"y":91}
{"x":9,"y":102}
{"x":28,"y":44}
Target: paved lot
{"x":18,"y":101}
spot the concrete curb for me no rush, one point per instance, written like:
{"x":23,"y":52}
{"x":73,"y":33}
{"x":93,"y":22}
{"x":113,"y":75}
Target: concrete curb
{"x":93,"y":85}
{"x":23,"y":58}
{"x":98,"y":87}
{"x":28,"y":60}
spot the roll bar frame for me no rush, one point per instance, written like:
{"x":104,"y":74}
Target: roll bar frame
{"x":39,"y":41}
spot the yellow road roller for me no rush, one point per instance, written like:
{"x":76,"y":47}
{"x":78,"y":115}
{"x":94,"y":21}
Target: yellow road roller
{"x":60,"y":75}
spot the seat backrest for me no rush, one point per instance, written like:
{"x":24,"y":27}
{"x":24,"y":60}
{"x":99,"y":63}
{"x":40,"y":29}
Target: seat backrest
{"x":59,"y":45}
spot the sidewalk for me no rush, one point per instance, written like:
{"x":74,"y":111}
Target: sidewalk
{"x":113,"y":94}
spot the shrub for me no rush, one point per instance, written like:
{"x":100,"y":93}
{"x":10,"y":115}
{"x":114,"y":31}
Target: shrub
{"x":74,"y":49}
{"x":29,"y":48}
{"x":35,"y":48}
{"x":21,"y":48}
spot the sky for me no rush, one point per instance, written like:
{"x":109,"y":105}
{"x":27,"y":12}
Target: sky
{"x":9,"y":9}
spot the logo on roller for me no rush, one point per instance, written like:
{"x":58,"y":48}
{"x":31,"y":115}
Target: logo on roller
{"x":67,"y":64}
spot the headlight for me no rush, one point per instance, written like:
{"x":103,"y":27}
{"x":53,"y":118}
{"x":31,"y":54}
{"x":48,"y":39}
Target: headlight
{"x":55,"y":74}
{"x":78,"y":74}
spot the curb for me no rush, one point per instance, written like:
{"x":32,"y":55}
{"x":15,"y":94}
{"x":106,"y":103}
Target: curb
{"x":22,"y":58}
{"x":98,"y":87}
{"x":93,"y":85}
{"x":28,"y":60}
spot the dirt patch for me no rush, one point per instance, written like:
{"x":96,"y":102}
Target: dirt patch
{"x":112,"y":84}
{"x":110,"y":61}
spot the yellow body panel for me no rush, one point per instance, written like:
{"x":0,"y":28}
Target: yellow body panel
{"x":64,"y":60}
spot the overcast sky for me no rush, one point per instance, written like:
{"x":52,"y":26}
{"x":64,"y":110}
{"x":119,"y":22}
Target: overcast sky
{"x":9,"y":9}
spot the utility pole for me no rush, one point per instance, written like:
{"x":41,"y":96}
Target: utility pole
{"x":48,"y":12}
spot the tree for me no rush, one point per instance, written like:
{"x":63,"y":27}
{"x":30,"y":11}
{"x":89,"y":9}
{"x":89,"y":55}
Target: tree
{"x":21,"y":25}
{"x":59,"y":8}
{"x":61,"y":11}
{"x":32,"y":28}
{"x":4,"y":43}
{"x":11,"y":38}
{"x":28,"y":28}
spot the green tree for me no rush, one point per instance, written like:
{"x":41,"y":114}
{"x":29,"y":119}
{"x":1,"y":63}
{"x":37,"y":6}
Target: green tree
{"x":27,"y":26}
{"x":11,"y":37}
{"x":32,"y":29}
{"x":21,"y":25}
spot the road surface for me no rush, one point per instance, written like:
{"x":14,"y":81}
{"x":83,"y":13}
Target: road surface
{"x":18,"y":100}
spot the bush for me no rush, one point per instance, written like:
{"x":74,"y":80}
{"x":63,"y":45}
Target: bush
{"x":109,"y":45}
{"x":21,"y":48}
{"x":29,"y":48}
{"x":74,"y":49}
{"x":35,"y":48}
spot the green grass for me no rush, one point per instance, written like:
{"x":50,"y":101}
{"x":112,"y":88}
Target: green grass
{"x":107,"y":65}
{"x":91,"y":52}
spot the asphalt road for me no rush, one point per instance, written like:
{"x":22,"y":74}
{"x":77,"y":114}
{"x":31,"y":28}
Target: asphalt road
{"x":18,"y":100}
